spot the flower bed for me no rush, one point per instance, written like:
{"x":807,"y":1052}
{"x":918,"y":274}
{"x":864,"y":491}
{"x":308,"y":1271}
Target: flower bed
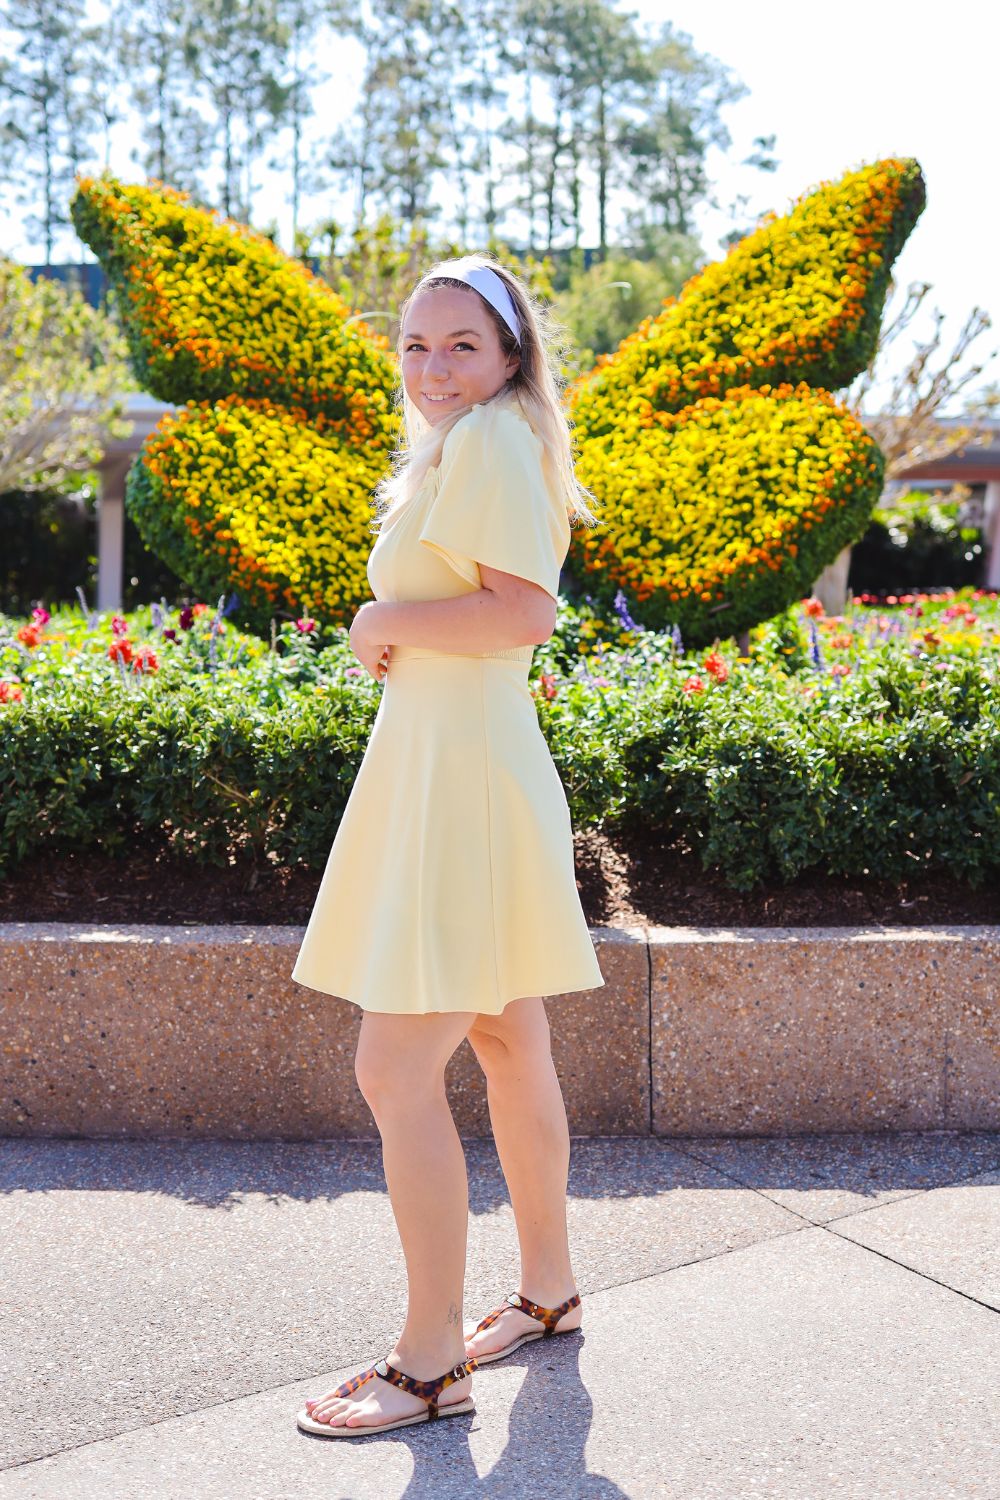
{"x":862,"y":746}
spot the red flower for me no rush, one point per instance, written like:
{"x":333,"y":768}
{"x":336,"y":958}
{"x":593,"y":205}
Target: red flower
{"x":692,"y":685}
{"x":11,"y":692}
{"x":715,"y":666}
{"x":119,"y":625}
{"x":548,"y":681}
{"x":29,"y":635}
{"x":120,"y":650}
{"x":145,"y":660}
{"x":813,"y":606}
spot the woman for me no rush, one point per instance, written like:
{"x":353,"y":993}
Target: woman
{"x":449,"y":905}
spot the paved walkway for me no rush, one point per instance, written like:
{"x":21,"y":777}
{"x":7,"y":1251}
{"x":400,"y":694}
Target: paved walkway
{"x":811,"y":1317}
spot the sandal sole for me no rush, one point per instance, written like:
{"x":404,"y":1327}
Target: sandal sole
{"x":525,"y":1338}
{"x":323,"y":1429}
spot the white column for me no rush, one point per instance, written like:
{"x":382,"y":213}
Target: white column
{"x":111,"y":532}
{"x":830,"y":587}
{"x":991,"y":534}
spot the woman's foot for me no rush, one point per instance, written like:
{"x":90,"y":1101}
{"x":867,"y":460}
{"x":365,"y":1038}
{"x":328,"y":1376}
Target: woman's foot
{"x":377,"y":1401}
{"x":512,"y":1323}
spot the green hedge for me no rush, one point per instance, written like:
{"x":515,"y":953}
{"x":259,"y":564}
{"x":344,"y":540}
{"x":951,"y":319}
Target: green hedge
{"x":862,"y":745}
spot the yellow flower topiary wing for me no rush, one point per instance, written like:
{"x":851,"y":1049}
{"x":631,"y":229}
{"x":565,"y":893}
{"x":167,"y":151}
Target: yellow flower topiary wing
{"x":800,"y":298}
{"x":254,"y":496}
{"x":212,"y":309}
{"x":727,"y":482}
{"x":264,"y":484}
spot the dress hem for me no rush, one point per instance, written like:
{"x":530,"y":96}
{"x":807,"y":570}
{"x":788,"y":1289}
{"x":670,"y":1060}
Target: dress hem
{"x":453,"y":1009}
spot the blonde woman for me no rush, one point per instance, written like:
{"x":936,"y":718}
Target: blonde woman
{"x":449,"y":906}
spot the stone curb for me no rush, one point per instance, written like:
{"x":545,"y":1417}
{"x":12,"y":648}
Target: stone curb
{"x":159,"y":1031}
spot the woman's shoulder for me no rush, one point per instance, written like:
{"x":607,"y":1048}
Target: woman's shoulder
{"x":502,"y":422}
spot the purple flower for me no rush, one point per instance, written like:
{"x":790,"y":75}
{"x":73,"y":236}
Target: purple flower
{"x":621,"y":610}
{"x":814,"y":652}
{"x":92,"y":615}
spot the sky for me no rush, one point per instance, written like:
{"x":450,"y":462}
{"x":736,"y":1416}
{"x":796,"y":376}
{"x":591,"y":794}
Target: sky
{"x":838,"y":86}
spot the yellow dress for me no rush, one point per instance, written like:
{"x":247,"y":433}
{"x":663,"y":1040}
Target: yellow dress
{"x":451,"y":884}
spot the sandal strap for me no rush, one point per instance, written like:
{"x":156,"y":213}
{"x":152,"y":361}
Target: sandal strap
{"x":427,"y":1390}
{"x":548,"y":1316}
{"x":356,"y":1382}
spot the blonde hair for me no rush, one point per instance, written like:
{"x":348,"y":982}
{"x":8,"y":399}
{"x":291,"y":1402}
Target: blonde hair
{"x":535,"y":386}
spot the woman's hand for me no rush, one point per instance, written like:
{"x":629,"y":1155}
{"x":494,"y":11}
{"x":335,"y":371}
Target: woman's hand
{"x":372,"y":653}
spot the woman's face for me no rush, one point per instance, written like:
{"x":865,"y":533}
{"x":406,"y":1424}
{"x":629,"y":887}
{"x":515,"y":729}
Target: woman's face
{"x":451,"y":350}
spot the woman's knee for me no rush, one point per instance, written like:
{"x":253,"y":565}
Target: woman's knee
{"x":514,"y":1041}
{"x":397,"y":1066}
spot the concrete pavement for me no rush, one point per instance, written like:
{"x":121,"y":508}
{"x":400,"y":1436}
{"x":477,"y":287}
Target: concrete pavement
{"x":810,"y":1316}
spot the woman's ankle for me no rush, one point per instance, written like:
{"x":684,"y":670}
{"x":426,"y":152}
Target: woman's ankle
{"x":426,"y":1360}
{"x":547,"y":1288}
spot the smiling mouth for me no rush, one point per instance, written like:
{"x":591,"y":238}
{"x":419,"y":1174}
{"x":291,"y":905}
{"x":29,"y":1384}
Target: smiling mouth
{"x":449,"y":397}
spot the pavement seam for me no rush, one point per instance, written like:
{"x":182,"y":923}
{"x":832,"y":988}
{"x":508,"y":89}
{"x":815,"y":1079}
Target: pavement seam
{"x":836,"y":1218}
{"x":902,"y":1194}
{"x":924,"y":1275}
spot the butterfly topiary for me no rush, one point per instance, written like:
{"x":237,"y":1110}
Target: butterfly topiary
{"x":728,"y":476}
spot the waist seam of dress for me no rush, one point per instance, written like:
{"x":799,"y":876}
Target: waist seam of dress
{"x":419,"y":653}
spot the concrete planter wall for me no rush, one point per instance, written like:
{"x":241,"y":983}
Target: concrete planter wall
{"x":199,"y":1031}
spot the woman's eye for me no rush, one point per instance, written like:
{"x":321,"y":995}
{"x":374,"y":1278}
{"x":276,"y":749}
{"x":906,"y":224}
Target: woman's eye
{"x":460,"y":345}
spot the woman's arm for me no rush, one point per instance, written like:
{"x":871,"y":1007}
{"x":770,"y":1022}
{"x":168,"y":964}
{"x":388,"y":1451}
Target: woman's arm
{"x":506,"y":611}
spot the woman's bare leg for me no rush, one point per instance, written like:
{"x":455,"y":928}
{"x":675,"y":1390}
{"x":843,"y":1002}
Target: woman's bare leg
{"x":532,"y":1140}
{"x":400,"y":1065}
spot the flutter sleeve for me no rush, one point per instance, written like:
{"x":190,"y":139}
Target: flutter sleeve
{"x":494,"y":504}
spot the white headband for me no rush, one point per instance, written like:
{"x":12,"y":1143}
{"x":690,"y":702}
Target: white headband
{"x":487,"y":283}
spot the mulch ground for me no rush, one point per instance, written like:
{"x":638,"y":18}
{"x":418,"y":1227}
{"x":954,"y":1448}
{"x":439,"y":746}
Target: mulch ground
{"x":641,"y":880}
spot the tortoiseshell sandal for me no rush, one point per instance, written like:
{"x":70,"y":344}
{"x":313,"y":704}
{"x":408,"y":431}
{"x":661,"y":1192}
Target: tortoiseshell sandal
{"x":547,"y":1316}
{"x":427,"y":1390}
